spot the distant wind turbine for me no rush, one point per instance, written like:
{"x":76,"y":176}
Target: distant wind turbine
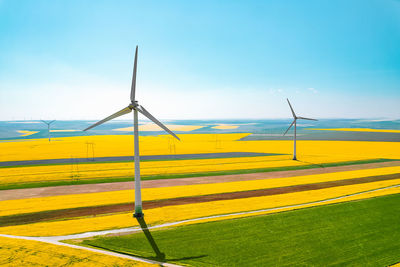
{"x":136,"y":108}
{"x":295,"y":118}
{"x":48,"y":126}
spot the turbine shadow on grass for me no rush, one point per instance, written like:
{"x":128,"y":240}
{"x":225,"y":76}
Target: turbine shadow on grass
{"x":160,"y":256}
{"x":146,"y":231}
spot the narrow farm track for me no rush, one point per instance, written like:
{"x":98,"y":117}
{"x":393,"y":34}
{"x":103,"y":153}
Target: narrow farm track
{"x":27,"y":218}
{"x":106,"y":187}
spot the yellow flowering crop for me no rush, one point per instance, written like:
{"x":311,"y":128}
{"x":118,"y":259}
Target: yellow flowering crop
{"x":17,"y":206}
{"x":189,"y":211}
{"x":27,"y":133}
{"x":122,"y":145}
{"x":17,"y":252}
{"x":125,"y":169}
{"x":170,"y":167}
{"x":115,"y":145}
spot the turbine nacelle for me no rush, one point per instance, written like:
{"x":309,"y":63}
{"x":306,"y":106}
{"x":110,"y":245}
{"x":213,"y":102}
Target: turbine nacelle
{"x":133,"y":105}
{"x":295,"y":117}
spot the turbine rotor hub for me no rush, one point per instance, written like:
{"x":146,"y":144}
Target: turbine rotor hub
{"x":133,"y":105}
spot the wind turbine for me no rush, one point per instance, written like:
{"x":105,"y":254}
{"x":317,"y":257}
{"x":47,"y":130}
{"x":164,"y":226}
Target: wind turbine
{"x":295,"y":118}
{"x":48,"y":126}
{"x":135,"y":107}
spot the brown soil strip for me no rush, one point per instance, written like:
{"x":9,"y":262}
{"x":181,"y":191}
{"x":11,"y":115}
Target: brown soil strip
{"x":124,"y":207}
{"x":106,"y":187}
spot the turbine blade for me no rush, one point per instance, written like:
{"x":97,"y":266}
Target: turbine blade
{"x":142,"y":110}
{"x":289,"y":128}
{"x":307,"y":119}
{"x":133,"y":87}
{"x":52,"y":121}
{"x":44,"y":121}
{"x":294,"y":114}
{"x":115,"y":115}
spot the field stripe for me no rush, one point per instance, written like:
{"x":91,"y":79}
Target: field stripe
{"x":107,"y":187}
{"x":23,"y":177}
{"x":190,"y":211}
{"x":208,"y":218}
{"x":11,"y":207}
{"x":27,"y":218}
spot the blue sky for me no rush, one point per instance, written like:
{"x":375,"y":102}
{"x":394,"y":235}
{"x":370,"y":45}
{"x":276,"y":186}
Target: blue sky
{"x":200,"y":59}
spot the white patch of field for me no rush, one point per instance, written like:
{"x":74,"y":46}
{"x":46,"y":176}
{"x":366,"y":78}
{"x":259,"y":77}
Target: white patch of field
{"x":225,"y":126}
{"x":304,"y":125}
{"x":62,"y":131}
{"x":151,"y":127}
{"x":378,"y":120}
{"x":239,"y":124}
{"x":26,"y":133}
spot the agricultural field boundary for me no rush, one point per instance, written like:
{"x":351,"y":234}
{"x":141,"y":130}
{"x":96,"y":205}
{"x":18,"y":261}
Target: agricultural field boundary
{"x":45,"y":162}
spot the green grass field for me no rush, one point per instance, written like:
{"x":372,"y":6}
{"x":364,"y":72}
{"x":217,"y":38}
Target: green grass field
{"x":358,"y":233}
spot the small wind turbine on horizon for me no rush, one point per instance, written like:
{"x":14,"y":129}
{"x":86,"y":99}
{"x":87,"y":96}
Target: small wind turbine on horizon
{"x":295,"y":118}
{"x":135,"y":107}
{"x":48,"y":126}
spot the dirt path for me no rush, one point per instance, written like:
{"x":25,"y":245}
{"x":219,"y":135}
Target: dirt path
{"x":106,"y":187}
{"x":124,"y":207}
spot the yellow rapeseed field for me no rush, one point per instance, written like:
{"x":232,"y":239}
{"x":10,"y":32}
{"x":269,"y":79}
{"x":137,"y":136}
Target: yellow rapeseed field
{"x":18,"y":206}
{"x":103,"y":170}
{"x":148,"y":168}
{"x":122,"y":145}
{"x":26,"y":133}
{"x":115,"y":145}
{"x":17,"y":252}
{"x":309,"y":152}
{"x":188,"y":211}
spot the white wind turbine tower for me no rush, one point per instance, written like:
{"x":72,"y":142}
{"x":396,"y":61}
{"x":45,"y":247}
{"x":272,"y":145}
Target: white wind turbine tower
{"x":136,"y":108}
{"x":48,"y":126}
{"x":295,"y":118}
